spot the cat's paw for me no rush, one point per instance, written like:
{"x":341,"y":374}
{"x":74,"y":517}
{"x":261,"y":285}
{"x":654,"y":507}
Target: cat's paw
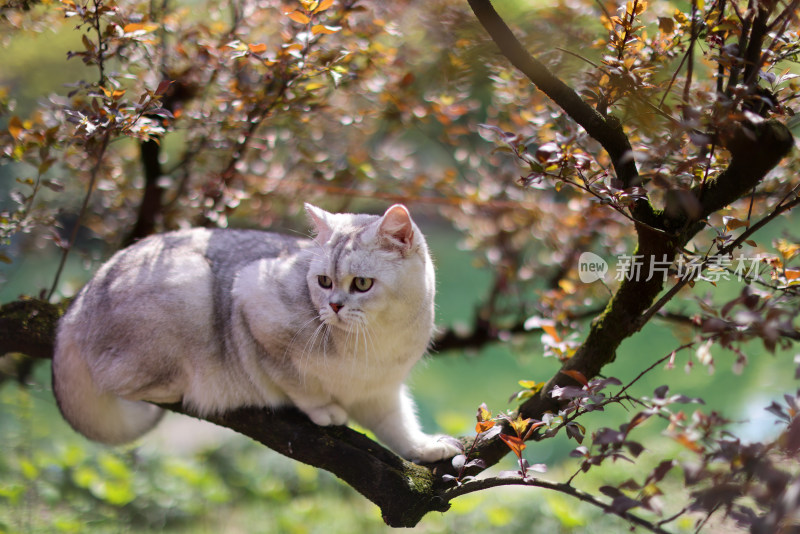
{"x":330,"y":414}
{"x":435,"y":448}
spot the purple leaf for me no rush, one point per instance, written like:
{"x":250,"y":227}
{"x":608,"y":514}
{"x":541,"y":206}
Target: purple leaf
{"x":539,"y":468}
{"x":580,"y":452}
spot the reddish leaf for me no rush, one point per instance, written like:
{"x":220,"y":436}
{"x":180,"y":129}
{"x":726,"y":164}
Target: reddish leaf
{"x":163,"y":86}
{"x":689,"y":443}
{"x":483,"y":426}
{"x":514,"y":443}
{"x":576,"y":375}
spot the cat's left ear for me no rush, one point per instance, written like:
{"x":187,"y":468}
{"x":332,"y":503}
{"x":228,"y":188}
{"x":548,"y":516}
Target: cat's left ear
{"x":319,"y":219}
{"x":397,"y":229}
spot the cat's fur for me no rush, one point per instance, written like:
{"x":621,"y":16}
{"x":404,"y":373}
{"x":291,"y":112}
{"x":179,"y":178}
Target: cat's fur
{"x":219,"y":319}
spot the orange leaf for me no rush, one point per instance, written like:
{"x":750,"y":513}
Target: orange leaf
{"x":687,"y":442}
{"x":576,"y":375}
{"x":257,"y":48}
{"x":325,"y":4}
{"x":140,"y":27}
{"x":299,"y":17}
{"x":15,"y":127}
{"x":483,"y":426}
{"x":319,"y":28}
{"x":732,"y":223}
{"x":551,"y":330}
{"x":792,"y":274}
{"x":638,"y":419}
{"x":514,"y":443}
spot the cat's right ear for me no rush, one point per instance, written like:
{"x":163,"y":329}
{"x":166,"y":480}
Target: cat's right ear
{"x":319,"y":219}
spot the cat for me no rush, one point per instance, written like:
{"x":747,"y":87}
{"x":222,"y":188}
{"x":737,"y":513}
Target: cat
{"x":219,"y":319}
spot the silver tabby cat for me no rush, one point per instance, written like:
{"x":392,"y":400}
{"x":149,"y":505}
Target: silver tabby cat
{"x":219,"y":319}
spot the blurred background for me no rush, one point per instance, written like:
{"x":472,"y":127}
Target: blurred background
{"x":383,"y":104}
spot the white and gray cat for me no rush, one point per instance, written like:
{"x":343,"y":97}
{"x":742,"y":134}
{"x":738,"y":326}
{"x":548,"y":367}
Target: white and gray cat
{"x":219,"y":319}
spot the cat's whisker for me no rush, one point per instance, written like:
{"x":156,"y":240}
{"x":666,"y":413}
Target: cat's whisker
{"x":369,"y":338}
{"x":309,"y":347}
{"x":325,"y":340}
{"x":299,"y":330}
{"x":369,"y":341}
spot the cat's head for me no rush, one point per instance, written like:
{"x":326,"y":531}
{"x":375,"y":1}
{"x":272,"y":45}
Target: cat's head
{"x":369,"y":270}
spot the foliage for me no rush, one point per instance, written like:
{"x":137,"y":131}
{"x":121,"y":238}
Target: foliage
{"x":654,"y":133}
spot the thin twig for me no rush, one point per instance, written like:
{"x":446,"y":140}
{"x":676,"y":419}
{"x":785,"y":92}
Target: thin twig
{"x":92,"y":179}
{"x":690,"y":60}
{"x":727,"y":249}
{"x":608,"y":134}
{"x":487,"y":483}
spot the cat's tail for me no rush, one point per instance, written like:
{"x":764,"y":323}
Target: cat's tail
{"x":98,"y":415}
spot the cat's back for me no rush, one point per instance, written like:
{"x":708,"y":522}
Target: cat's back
{"x":191,"y":254}
{"x":185,"y":273}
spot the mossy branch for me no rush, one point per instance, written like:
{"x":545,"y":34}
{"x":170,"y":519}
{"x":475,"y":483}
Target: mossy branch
{"x":403,"y":491}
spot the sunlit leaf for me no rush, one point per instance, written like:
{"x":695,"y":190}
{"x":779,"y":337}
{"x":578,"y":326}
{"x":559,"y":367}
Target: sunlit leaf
{"x":483,"y":413}
{"x":320,"y":28}
{"x":532,"y":385}
{"x":732,"y":223}
{"x":514,"y":443}
{"x":299,"y":17}
{"x":140,"y":27}
{"x":519,"y":424}
{"x":787,"y":249}
{"x":792,"y":274}
{"x":258,"y":48}
{"x":483,"y":426}
{"x":325,"y":4}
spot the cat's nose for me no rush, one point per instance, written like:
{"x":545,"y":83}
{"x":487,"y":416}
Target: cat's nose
{"x":335,"y":306}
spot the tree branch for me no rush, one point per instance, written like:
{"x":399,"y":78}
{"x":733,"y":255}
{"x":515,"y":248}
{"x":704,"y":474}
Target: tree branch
{"x":483,"y":484}
{"x":607,"y":131}
{"x":151,"y":205}
{"x":28,"y":326}
{"x":402,"y":490}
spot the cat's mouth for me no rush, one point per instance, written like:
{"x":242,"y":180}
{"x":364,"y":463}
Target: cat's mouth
{"x":333,"y":319}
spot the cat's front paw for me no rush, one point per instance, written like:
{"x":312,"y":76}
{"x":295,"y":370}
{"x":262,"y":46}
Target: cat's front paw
{"x":434,"y":448}
{"x":330,"y":414}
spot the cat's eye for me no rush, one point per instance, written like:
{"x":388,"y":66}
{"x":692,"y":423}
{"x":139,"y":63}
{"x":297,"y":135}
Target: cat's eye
{"x":362,"y":284}
{"x":325,"y":282}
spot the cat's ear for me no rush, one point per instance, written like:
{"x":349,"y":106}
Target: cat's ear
{"x":319,"y":219}
{"x":397,"y":229}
